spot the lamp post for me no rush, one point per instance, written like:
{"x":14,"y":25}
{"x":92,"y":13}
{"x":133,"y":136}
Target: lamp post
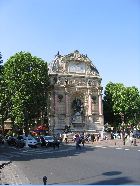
{"x":123,"y":130}
{"x":26,"y":125}
{"x":1,"y":119}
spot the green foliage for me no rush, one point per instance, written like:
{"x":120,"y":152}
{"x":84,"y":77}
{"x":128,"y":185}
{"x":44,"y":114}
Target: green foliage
{"x":4,"y":96}
{"x":1,"y":61}
{"x":120,"y":103}
{"x":27,"y":81}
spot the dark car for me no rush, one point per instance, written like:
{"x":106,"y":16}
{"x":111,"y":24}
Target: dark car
{"x":1,"y":139}
{"x":14,"y":141}
{"x":49,"y":140}
{"x":136,"y":134}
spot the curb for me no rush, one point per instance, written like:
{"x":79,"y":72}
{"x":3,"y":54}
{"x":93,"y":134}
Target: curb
{"x":3,"y":163}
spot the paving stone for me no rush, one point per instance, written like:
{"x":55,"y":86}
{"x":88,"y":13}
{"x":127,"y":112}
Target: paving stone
{"x":12,"y":175}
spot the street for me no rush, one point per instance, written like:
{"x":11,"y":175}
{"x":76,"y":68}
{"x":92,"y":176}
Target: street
{"x":90,"y":165}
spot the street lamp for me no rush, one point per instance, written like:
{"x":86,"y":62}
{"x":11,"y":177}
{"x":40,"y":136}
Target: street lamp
{"x":26,"y":125}
{"x":1,"y":119}
{"x":123,"y":130}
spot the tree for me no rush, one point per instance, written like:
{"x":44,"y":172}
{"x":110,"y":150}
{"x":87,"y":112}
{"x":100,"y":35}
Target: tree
{"x":27,"y":81}
{"x":120,"y":102}
{"x":1,"y":61}
{"x":3,"y":96}
{"x":109,"y":114}
{"x":1,"y":84}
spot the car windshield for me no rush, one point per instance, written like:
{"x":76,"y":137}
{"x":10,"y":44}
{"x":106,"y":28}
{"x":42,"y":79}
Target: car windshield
{"x":48,"y":137}
{"x":30,"y":138}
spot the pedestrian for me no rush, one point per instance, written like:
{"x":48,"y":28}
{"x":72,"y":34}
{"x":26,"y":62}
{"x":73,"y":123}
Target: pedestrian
{"x":74,"y":137}
{"x":131,"y":138}
{"x":56,"y":143}
{"x":83,"y":142}
{"x":43,"y":142}
{"x":93,"y":137}
{"x":66,"y":139}
{"x":98,"y":136}
{"x":82,"y":139}
{"x":78,"y":141}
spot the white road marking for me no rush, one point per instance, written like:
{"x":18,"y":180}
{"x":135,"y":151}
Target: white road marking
{"x":98,"y":146}
{"x":126,"y":149}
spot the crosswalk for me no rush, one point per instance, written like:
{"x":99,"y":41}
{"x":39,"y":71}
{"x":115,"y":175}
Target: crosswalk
{"x":117,"y":148}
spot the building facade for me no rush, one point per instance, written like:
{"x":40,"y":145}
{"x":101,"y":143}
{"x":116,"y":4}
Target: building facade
{"x":76,"y":94}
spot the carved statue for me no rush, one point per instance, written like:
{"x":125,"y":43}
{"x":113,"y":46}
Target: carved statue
{"x":77,"y":106}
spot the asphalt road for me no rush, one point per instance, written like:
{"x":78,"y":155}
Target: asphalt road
{"x":90,"y":165}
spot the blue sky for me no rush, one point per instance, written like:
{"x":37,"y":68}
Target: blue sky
{"x":108,"y":31}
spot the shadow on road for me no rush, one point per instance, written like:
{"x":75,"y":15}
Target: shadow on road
{"x":114,"y":181}
{"x":35,"y":153}
{"x":111,"y":173}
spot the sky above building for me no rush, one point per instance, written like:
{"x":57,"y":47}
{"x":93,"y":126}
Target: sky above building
{"x":108,"y":31}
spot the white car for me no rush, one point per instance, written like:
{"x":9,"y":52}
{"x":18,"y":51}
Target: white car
{"x":49,"y":140}
{"x":117,"y":135}
{"x":32,"y":142}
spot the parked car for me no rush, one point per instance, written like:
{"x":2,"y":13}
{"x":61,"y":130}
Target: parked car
{"x":116,"y":135}
{"x":136,"y":134}
{"x":32,"y":142}
{"x":49,"y":140}
{"x":14,"y":141}
{"x":1,"y":139}
{"x":38,"y":139}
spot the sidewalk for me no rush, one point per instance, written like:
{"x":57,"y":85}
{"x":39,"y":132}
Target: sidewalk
{"x":116,"y":143}
{"x":12,"y":175}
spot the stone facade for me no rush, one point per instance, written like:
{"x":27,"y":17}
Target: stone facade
{"x":76,"y":94}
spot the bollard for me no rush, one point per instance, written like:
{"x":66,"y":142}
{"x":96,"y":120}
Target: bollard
{"x":45,"y":180}
{"x":135,"y":144}
{"x":123,"y":141}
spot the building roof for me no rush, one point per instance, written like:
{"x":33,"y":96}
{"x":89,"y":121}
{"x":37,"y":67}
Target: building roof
{"x":57,"y":65}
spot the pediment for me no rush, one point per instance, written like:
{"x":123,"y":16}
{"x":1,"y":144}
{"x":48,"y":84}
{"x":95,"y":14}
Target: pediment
{"x":72,"y":63}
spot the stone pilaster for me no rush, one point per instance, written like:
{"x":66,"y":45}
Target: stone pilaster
{"x":55,"y":111}
{"x":67,"y":107}
{"x":100,"y":105}
{"x":55,"y":103}
{"x":89,"y":104}
{"x":66,"y":103}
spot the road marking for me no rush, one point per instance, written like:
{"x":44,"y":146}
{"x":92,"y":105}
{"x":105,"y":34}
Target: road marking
{"x":139,"y":150}
{"x":118,"y":148}
{"x":98,"y":146}
{"x":103,"y":147}
{"x":126,"y":149}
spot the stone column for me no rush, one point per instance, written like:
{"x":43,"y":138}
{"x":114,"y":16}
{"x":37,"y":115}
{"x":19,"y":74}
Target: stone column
{"x":54,"y":124}
{"x":55,"y":103}
{"x":100,"y":104}
{"x":67,"y":107}
{"x":66,"y":103}
{"x":89,"y":104}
